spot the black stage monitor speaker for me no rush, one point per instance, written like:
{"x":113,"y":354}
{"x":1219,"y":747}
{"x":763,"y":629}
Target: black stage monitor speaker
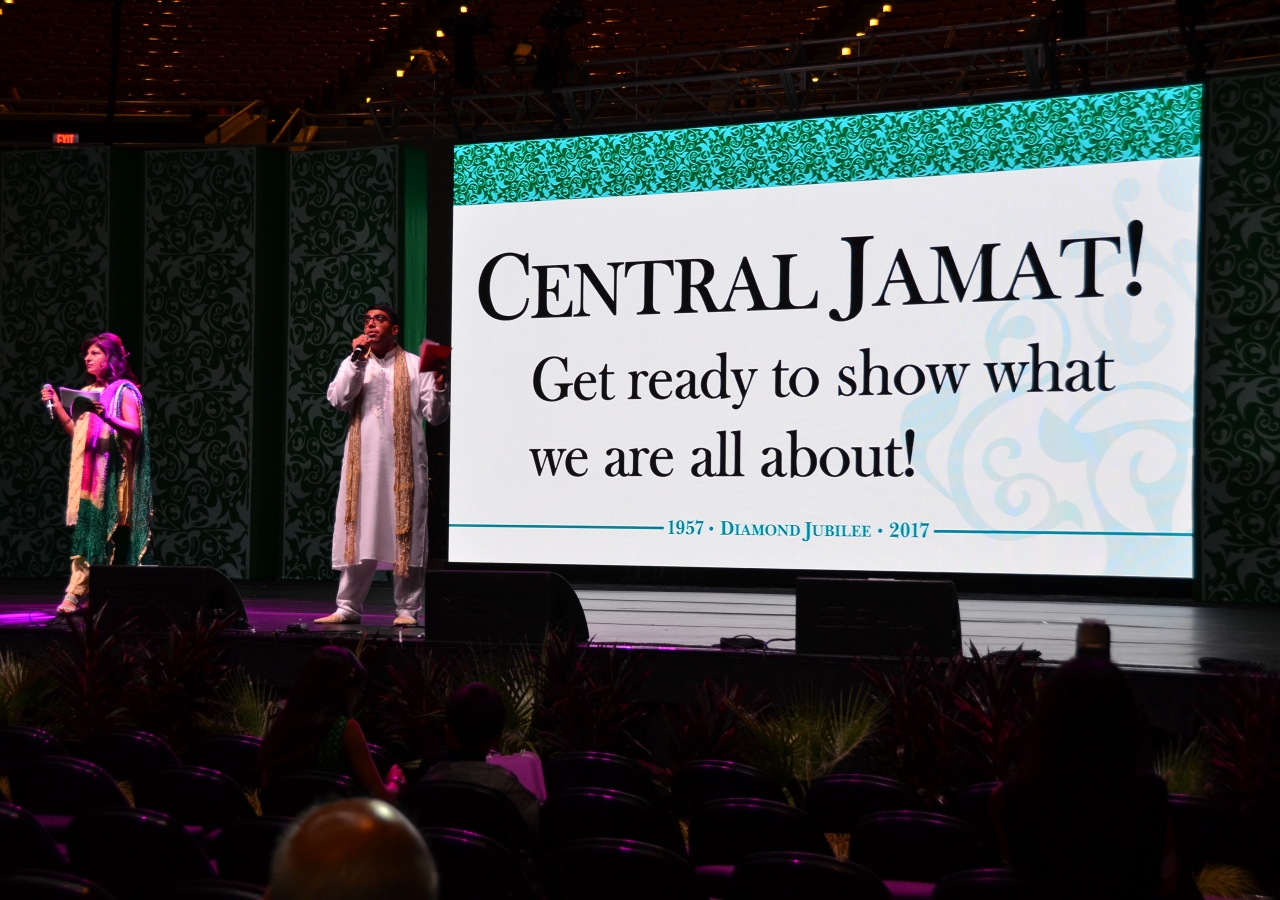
{"x":501,"y":607}
{"x":876,"y":616}
{"x":160,"y":596}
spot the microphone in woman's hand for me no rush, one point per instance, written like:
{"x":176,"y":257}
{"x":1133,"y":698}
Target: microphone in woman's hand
{"x":48,"y":404}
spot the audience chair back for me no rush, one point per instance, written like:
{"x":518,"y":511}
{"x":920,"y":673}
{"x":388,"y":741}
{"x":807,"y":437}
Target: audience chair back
{"x":584,"y":813}
{"x":20,"y":745}
{"x":600,"y":770}
{"x":838,"y":802}
{"x":134,"y":853}
{"x":214,"y":889}
{"x":469,"y":807}
{"x":707,"y":780}
{"x":725,"y":831}
{"x":127,"y":755}
{"x":604,"y":869}
{"x":1205,"y":832}
{"x":194,"y":796}
{"x":234,"y":755}
{"x":768,"y":876}
{"x":24,"y":844}
{"x":294,"y":794}
{"x":62,"y":786}
{"x":984,"y":884}
{"x":973,"y":804}
{"x":474,"y":867}
{"x":244,"y":849}
{"x":41,"y":885}
{"x":916,"y":846}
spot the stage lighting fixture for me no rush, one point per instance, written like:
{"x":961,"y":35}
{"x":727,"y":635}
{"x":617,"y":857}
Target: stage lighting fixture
{"x":814,"y":79}
{"x":886,"y":8}
{"x":554,"y":59}
{"x":399,"y":73}
{"x":846,"y":51}
{"x":874,"y":22}
{"x":861,"y":34}
{"x":464,"y":28}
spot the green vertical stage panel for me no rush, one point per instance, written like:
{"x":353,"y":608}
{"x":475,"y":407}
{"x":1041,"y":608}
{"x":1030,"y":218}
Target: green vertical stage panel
{"x":1239,"y":455}
{"x":344,"y":254}
{"x":270,"y":354}
{"x":199,"y":285}
{"x":55,"y":274}
{"x":412,"y":303}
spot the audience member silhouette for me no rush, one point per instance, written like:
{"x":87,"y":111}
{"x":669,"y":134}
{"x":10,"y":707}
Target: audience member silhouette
{"x":353,"y":850}
{"x":474,"y":717}
{"x":316,"y":731}
{"x":1081,"y":818}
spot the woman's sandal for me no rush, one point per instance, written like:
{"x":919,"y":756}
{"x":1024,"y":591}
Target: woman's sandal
{"x":68,"y":607}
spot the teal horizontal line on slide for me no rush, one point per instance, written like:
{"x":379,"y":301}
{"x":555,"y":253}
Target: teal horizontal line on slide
{"x":589,"y":527}
{"x":1185,"y":534}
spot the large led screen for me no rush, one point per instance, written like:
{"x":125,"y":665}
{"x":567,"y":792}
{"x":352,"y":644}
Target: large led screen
{"x":955,"y":340}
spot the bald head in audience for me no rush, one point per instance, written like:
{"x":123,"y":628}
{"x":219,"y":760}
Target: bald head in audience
{"x":353,"y":850}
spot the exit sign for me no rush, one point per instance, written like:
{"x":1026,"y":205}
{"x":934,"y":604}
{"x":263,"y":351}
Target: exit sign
{"x":61,"y":137}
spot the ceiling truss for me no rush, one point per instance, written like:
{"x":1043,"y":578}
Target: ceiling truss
{"x":901,"y":70}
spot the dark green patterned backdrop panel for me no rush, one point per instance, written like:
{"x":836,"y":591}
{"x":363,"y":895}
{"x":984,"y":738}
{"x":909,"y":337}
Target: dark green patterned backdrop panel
{"x":54,"y":272}
{"x":1240,"y":387}
{"x":198,"y":326}
{"x":343,"y":239}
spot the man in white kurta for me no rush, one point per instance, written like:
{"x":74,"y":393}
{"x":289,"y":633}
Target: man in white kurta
{"x":368,"y":383}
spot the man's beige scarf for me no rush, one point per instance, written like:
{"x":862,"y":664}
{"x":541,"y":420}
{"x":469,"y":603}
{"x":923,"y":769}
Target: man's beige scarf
{"x":401,"y":422}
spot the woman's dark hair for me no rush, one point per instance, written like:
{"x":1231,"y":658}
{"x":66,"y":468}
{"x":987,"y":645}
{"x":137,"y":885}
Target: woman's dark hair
{"x":1087,"y":728}
{"x":117,"y":356}
{"x":326,"y":689}
{"x":475,"y":715}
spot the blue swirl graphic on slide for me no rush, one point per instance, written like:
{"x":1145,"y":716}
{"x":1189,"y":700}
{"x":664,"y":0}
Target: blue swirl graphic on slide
{"x":1152,"y":431}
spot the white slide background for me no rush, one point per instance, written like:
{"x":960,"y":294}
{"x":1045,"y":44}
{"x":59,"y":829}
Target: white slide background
{"x":987,"y":467}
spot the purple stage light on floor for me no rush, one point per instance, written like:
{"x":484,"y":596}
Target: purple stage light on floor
{"x":27,"y":617}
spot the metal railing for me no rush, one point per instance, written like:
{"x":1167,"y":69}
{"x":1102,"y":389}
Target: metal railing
{"x":909,"y":68}
{"x":123,"y":107}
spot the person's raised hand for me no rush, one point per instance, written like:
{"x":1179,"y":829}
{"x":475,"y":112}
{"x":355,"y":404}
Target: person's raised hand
{"x":49,"y":395}
{"x":360,"y":341}
{"x":99,"y":410}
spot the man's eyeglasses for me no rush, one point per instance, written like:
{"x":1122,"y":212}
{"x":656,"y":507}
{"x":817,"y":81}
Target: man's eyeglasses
{"x":379,"y":318}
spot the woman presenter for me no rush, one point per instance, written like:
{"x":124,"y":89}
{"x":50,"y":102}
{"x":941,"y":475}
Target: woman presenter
{"x":109,"y":490}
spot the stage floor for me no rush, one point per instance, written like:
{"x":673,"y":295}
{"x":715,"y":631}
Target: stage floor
{"x":1143,"y":635}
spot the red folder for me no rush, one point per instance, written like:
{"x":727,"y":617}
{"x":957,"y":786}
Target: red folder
{"x":433,"y":357}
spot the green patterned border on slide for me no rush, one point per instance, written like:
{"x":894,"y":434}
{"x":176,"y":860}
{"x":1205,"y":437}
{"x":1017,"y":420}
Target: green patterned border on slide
{"x":1160,"y":123}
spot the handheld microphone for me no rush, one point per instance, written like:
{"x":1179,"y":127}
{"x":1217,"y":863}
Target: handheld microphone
{"x":359,"y":353}
{"x":48,"y":404}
